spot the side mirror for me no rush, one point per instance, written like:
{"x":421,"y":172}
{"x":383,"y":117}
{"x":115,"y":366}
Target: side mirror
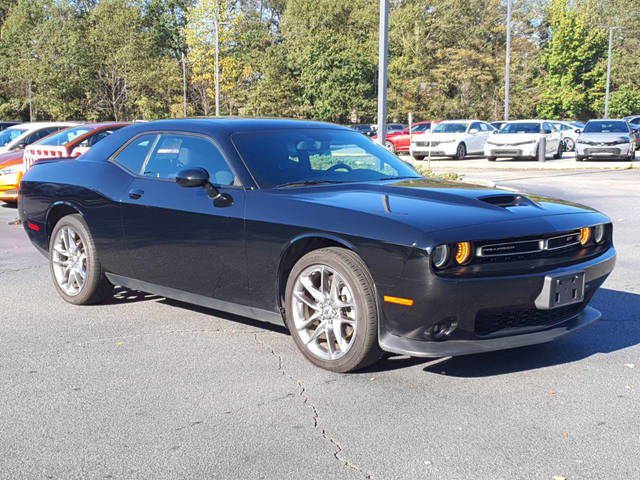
{"x":192,"y":177}
{"x":199,"y":177}
{"x":473,"y":131}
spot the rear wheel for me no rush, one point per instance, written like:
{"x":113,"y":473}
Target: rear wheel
{"x":74,"y":264}
{"x":569,"y":144}
{"x":331,"y":310}
{"x":461,"y":152}
{"x":491,"y":159}
{"x":418,"y":157}
{"x":390,"y":146}
{"x":580,"y":158}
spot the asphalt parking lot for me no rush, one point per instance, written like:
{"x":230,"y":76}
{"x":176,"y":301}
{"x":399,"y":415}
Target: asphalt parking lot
{"x":143,"y":387}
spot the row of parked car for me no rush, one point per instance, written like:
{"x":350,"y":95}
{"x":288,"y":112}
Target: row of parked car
{"x":521,"y":139}
{"x":21,"y":145}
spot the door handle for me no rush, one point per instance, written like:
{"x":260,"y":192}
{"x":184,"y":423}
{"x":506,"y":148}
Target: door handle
{"x":136,"y":194}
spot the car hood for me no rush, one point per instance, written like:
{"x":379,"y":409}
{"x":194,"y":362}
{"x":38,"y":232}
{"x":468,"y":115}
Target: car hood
{"x":604,"y":137}
{"x":512,"y":138}
{"x":432,"y":205}
{"x":11,"y":158}
{"x":440,"y":136}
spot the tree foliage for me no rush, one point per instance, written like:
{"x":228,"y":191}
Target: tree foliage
{"x":122,"y":59}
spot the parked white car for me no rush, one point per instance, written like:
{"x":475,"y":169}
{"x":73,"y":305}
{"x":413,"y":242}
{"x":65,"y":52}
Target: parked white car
{"x":520,"y":139}
{"x":606,"y":139}
{"x":569,"y":133}
{"x":17,"y":137}
{"x":452,"y":138}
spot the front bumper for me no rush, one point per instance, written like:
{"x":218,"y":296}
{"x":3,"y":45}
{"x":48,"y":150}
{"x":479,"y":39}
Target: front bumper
{"x":466,"y":299}
{"x":605,"y":151}
{"x":447,"y":149}
{"x":9,"y":187}
{"x":500,"y":151}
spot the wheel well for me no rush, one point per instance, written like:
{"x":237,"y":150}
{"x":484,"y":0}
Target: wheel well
{"x":295,"y":252}
{"x":56,"y":213}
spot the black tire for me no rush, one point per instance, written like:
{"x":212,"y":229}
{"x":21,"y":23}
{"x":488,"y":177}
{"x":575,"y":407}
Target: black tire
{"x":491,"y":159}
{"x":558,"y":154}
{"x":96,"y":287}
{"x":418,"y":157}
{"x":580,"y":158}
{"x":365,"y":349}
{"x":461,"y":151}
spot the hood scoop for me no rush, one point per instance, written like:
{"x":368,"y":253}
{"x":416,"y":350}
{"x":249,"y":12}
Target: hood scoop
{"x":505,"y":201}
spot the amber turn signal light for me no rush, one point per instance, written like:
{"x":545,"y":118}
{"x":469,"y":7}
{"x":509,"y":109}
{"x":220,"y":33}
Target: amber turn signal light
{"x":463,"y":253}
{"x":399,"y":301}
{"x":585,"y":235}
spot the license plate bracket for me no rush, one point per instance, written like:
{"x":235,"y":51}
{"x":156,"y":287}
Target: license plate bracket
{"x":561,"y":290}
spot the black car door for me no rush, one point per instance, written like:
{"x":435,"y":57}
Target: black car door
{"x":175,"y":236}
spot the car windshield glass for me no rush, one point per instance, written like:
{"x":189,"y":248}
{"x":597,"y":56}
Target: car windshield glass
{"x":395,"y":128}
{"x":64,"y":137}
{"x":577,"y":124}
{"x":450,"y":128}
{"x":520,"y":128}
{"x":9,"y":135}
{"x":299,"y":156}
{"x":421,"y":127}
{"x":606,"y":127}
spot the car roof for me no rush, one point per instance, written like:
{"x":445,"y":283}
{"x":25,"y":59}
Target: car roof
{"x":606,"y":120}
{"x":37,"y":125}
{"x":533,"y":120}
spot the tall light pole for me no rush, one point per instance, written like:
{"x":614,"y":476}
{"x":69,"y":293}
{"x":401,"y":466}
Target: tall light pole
{"x":184,"y":84}
{"x":507,"y":71}
{"x":606,"y":95}
{"x":383,"y":58}
{"x":217,"y":75}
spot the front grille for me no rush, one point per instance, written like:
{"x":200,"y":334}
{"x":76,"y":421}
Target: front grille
{"x":594,"y":151}
{"x":492,"y":321}
{"x":523,"y":247}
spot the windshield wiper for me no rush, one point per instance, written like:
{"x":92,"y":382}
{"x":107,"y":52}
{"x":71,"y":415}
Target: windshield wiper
{"x":304,"y":183}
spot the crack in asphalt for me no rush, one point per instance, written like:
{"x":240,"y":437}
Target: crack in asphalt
{"x":316,"y":416}
{"x":168,"y":332}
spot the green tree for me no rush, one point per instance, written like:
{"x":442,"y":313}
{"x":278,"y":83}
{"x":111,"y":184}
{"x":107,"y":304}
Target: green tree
{"x":574,"y":61}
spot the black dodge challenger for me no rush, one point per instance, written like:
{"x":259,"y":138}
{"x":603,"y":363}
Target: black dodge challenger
{"x":314,"y":225}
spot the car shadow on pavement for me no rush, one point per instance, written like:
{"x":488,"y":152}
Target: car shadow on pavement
{"x":619,"y":328}
{"x":10,"y":206}
{"x":250,"y":322}
{"x":125,"y":295}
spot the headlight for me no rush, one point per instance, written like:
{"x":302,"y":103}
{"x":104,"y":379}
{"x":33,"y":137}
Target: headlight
{"x":528,"y":142}
{"x":440,"y":256}
{"x":463,"y":253}
{"x":10,"y":170}
{"x":585,"y":235}
{"x":598,"y":233}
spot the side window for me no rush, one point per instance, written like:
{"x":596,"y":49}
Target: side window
{"x":476,"y":125}
{"x":484,"y":127}
{"x":175,"y":152}
{"x":133,"y":156}
{"x":91,"y":140}
{"x":37,"y":135}
{"x":547,"y":126}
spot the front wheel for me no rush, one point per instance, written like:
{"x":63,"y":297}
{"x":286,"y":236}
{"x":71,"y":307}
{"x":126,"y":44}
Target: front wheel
{"x":558,"y":153}
{"x":580,"y":158}
{"x":331,"y":310}
{"x":461,"y":152}
{"x":491,"y":159}
{"x":418,"y":157}
{"x":74,"y":264}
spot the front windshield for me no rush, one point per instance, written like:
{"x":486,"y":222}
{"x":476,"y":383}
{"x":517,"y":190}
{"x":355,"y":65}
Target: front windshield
{"x":520,"y":128}
{"x":606,"y":127}
{"x":450,"y":128}
{"x":578,"y":124}
{"x":10,"y":134}
{"x":64,"y":137}
{"x":316,"y":155}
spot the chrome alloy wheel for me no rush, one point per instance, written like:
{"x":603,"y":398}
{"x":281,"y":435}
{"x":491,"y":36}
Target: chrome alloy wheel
{"x":69,"y":261}
{"x":324,"y":312}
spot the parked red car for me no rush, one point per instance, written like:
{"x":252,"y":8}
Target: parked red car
{"x":399,"y":141}
{"x":71,"y":142}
